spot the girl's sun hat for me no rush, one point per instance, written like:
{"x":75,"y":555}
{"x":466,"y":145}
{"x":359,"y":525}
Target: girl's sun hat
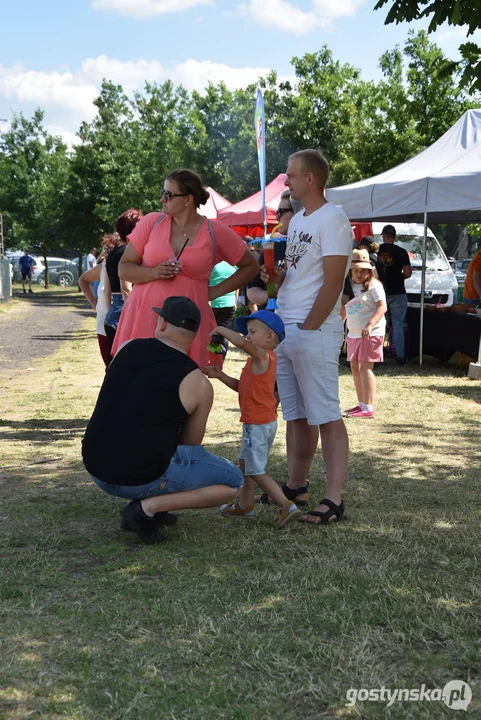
{"x":360,"y":260}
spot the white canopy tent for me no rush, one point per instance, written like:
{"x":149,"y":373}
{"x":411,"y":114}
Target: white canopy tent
{"x":442,"y":184}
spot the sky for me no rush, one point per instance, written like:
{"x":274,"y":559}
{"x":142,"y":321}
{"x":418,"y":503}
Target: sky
{"x":55,"y":53}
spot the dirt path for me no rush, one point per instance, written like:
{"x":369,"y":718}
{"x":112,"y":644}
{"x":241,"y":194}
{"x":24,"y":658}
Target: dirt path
{"x":51,"y":318}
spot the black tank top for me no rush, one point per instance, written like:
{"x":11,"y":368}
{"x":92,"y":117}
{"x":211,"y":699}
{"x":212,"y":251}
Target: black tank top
{"x":112,"y":267}
{"x":136,"y":425}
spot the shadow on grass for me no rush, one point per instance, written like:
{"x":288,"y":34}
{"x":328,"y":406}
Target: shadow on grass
{"x":230,"y":594}
{"x":44,"y":431}
{"x":67,"y":334}
{"x":467,"y":393}
{"x":59,"y":298}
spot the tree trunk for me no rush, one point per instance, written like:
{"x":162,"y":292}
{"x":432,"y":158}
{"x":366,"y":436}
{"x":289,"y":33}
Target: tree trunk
{"x":45,"y":262}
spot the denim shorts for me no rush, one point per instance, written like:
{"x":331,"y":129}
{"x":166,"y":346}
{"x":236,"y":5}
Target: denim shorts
{"x":112,"y":318}
{"x":191,"y":468}
{"x":256,"y":445}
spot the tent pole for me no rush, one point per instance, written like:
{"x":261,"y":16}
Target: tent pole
{"x":423,"y":285}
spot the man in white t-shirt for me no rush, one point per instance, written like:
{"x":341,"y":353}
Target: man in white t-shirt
{"x":91,"y":263}
{"x":92,"y":259}
{"x":318,"y":254}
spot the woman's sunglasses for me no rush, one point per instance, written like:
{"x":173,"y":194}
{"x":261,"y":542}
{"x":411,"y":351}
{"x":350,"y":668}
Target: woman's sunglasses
{"x":281,"y":211}
{"x":168,"y":195}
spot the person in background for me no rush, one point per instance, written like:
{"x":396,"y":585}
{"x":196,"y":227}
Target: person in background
{"x":224,"y":306}
{"x":86,"y":280}
{"x":25,"y":265}
{"x":394,"y":267}
{"x":366,"y":324}
{"x":91,"y":263}
{"x":472,"y":284}
{"x":368,"y":243}
{"x":173,"y":253}
{"x":92,"y":258}
{"x":288,"y":207}
{"x":117,"y":290}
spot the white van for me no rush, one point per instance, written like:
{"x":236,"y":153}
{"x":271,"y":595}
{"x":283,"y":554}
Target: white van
{"x":441,"y":284}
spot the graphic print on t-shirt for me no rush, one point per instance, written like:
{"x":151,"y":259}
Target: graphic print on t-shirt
{"x":297,"y":247}
{"x":386,"y":259}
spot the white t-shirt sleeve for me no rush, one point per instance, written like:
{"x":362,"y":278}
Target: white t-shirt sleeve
{"x":335,"y":235}
{"x":376,"y":290}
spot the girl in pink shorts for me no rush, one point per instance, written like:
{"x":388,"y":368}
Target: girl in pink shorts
{"x":366,"y":326}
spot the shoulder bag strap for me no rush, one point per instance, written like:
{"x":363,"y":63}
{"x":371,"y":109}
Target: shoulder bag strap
{"x":159,"y":219}
{"x":214,"y":244}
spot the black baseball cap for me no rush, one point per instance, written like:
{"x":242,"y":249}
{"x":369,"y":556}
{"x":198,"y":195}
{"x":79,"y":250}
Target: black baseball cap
{"x":388,"y":230}
{"x":180,"y":311}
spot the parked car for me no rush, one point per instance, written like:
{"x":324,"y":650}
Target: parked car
{"x":60,"y":272}
{"x":441,"y":284}
{"x":463,"y":264}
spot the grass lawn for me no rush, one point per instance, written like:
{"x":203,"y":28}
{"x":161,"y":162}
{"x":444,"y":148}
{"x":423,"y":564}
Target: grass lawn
{"x":230,"y":619}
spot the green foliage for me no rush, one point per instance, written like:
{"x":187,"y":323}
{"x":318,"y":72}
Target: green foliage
{"x":51,"y":197}
{"x":454,"y":12}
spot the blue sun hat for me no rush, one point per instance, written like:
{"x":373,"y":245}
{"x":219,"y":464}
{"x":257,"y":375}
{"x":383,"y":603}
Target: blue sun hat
{"x":269,"y":318}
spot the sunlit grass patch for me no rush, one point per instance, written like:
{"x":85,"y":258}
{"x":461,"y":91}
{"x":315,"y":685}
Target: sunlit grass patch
{"x":232,"y":619}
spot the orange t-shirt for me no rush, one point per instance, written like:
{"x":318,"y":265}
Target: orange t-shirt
{"x":256,"y":393}
{"x":470,"y":292}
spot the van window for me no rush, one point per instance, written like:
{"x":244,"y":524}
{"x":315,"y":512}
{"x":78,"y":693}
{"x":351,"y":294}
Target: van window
{"x":413,"y":244}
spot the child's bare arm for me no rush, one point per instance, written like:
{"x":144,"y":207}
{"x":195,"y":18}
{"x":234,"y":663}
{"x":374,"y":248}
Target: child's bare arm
{"x":241,"y":342}
{"x":381,"y":308}
{"x":212,"y":371}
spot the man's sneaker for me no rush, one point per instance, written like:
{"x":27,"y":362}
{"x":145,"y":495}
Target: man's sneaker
{"x":147,"y":528}
{"x":401,"y":360}
{"x":290,"y":513}
{"x":166,"y":519}
{"x":362,"y":414}
{"x":236,"y":511}
{"x":24,"y":292}
{"x":353,"y":410}
{"x":31,"y":291}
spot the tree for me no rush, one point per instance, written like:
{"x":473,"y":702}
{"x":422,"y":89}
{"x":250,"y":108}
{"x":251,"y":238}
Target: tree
{"x":33,"y":172}
{"x":454,"y":12}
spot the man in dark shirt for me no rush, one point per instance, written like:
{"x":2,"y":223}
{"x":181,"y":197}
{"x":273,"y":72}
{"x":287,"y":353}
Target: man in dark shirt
{"x":143,"y":441}
{"x":394,"y":267}
{"x":25,"y":265}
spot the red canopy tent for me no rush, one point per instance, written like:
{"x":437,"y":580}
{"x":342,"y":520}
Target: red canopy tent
{"x":215,"y":203}
{"x":246,"y":217}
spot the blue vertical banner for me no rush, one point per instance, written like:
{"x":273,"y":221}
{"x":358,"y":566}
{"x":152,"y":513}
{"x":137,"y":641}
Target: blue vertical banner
{"x":260,"y":126}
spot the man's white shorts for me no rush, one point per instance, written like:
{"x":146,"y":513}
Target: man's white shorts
{"x":308,"y":373}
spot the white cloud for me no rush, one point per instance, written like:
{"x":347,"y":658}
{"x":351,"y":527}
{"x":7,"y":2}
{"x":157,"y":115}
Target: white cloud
{"x":148,"y":8}
{"x":66,"y":96}
{"x":55,"y":88}
{"x":287,"y":17}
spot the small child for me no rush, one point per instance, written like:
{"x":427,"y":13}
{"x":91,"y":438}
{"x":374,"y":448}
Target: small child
{"x":258,"y":405}
{"x":366,"y":326}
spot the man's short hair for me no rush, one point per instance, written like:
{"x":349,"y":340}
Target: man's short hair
{"x":313,"y":161}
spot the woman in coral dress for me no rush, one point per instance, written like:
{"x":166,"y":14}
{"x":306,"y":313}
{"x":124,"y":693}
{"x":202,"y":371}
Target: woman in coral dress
{"x":149,"y":262}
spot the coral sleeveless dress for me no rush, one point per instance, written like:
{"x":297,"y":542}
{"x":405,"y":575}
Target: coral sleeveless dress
{"x":153,"y":246}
